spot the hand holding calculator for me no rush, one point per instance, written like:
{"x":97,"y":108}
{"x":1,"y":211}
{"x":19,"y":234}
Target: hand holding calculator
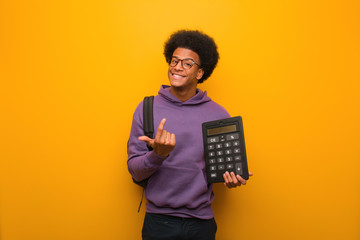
{"x":224,"y":148}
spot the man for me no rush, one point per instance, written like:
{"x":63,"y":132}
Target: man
{"x":178,"y":196}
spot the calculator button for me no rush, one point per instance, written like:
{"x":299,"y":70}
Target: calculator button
{"x":237,"y":157}
{"x":213,"y":168}
{"x":221,"y":167}
{"x":219,"y":153}
{"x":213,"y":175}
{"x":237,"y":150}
{"x":229,"y":166}
{"x":219,"y":145}
{"x":236,"y":143}
{"x":238,"y":168}
{"x":227,"y":144}
{"x":222,"y":138}
{"x":228,"y":152}
{"x":232,"y":136}
{"x":211,"y":147}
{"x":228,"y":159}
{"x":212,"y":160}
{"x":220,"y":160}
{"x":211,"y":154}
{"x":213,"y":139}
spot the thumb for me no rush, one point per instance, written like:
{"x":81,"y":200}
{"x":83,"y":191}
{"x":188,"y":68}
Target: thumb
{"x":146,"y":139}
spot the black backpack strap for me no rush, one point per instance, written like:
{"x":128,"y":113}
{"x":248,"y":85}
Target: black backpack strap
{"x":148,"y":117}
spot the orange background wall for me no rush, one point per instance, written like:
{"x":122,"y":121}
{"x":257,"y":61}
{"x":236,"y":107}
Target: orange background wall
{"x":72,"y":73}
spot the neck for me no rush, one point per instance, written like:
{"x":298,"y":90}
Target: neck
{"x":182,"y":94}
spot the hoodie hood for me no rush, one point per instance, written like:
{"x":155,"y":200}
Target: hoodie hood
{"x":200,"y":97}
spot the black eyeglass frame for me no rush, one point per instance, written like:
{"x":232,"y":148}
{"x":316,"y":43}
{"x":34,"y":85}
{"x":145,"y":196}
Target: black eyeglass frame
{"x":182,"y":65}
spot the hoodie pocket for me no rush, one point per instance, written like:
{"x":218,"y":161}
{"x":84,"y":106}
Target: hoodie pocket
{"x":176,"y":187}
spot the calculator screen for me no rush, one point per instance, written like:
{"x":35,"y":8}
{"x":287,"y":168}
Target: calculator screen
{"x":221,"y":130}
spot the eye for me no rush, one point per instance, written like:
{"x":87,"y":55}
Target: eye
{"x":174,"y":61}
{"x":187,"y":64}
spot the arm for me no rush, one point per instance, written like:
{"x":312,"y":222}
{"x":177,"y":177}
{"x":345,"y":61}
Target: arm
{"x":142,"y":163}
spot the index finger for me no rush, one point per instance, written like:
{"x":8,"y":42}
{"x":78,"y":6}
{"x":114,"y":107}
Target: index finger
{"x":160,"y":128}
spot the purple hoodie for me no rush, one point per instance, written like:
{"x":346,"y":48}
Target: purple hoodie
{"x":178,"y":185}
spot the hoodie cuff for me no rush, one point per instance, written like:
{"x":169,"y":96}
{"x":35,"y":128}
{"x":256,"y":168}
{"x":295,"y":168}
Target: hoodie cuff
{"x":153,"y":159}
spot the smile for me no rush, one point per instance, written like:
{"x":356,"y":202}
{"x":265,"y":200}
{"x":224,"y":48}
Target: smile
{"x":177,"y":76}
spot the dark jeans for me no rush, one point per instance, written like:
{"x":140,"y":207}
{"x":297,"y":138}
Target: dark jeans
{"x":163,"y":227}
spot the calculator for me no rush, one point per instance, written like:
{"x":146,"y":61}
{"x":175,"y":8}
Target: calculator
{"x":224,"y":149}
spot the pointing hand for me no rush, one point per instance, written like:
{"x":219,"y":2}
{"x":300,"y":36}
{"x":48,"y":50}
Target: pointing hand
{"x":164,"y":141}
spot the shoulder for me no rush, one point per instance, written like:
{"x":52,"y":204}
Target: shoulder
{"x":218,"y":107}
{"x":215,"y":111}
{"x":138,"y":113}
{"x":139,"y":107}
{"x":139,"y":110}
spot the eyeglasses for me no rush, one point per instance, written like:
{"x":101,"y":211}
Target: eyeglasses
{"x":186,"y":63}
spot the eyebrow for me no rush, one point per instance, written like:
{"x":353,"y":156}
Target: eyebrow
{"x":184,"y":58}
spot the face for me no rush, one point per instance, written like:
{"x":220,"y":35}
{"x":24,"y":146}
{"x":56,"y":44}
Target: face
{"x":185,"y":79}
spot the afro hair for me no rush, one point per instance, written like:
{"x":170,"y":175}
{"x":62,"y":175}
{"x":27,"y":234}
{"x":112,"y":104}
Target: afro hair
{"x":198,"y":42}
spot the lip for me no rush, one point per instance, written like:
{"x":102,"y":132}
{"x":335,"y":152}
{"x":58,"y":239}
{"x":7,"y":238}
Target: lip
{"x":177,"y":76}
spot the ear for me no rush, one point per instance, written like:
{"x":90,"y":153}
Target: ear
{"x":200,"y":73}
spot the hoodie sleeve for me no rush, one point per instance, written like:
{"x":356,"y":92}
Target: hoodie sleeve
{"x":141,"y":162}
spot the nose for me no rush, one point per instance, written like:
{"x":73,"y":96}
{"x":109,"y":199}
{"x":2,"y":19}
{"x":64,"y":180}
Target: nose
{"x":179,"y":66}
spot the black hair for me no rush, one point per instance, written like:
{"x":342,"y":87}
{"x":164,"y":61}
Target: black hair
{"x":198,"y":42}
